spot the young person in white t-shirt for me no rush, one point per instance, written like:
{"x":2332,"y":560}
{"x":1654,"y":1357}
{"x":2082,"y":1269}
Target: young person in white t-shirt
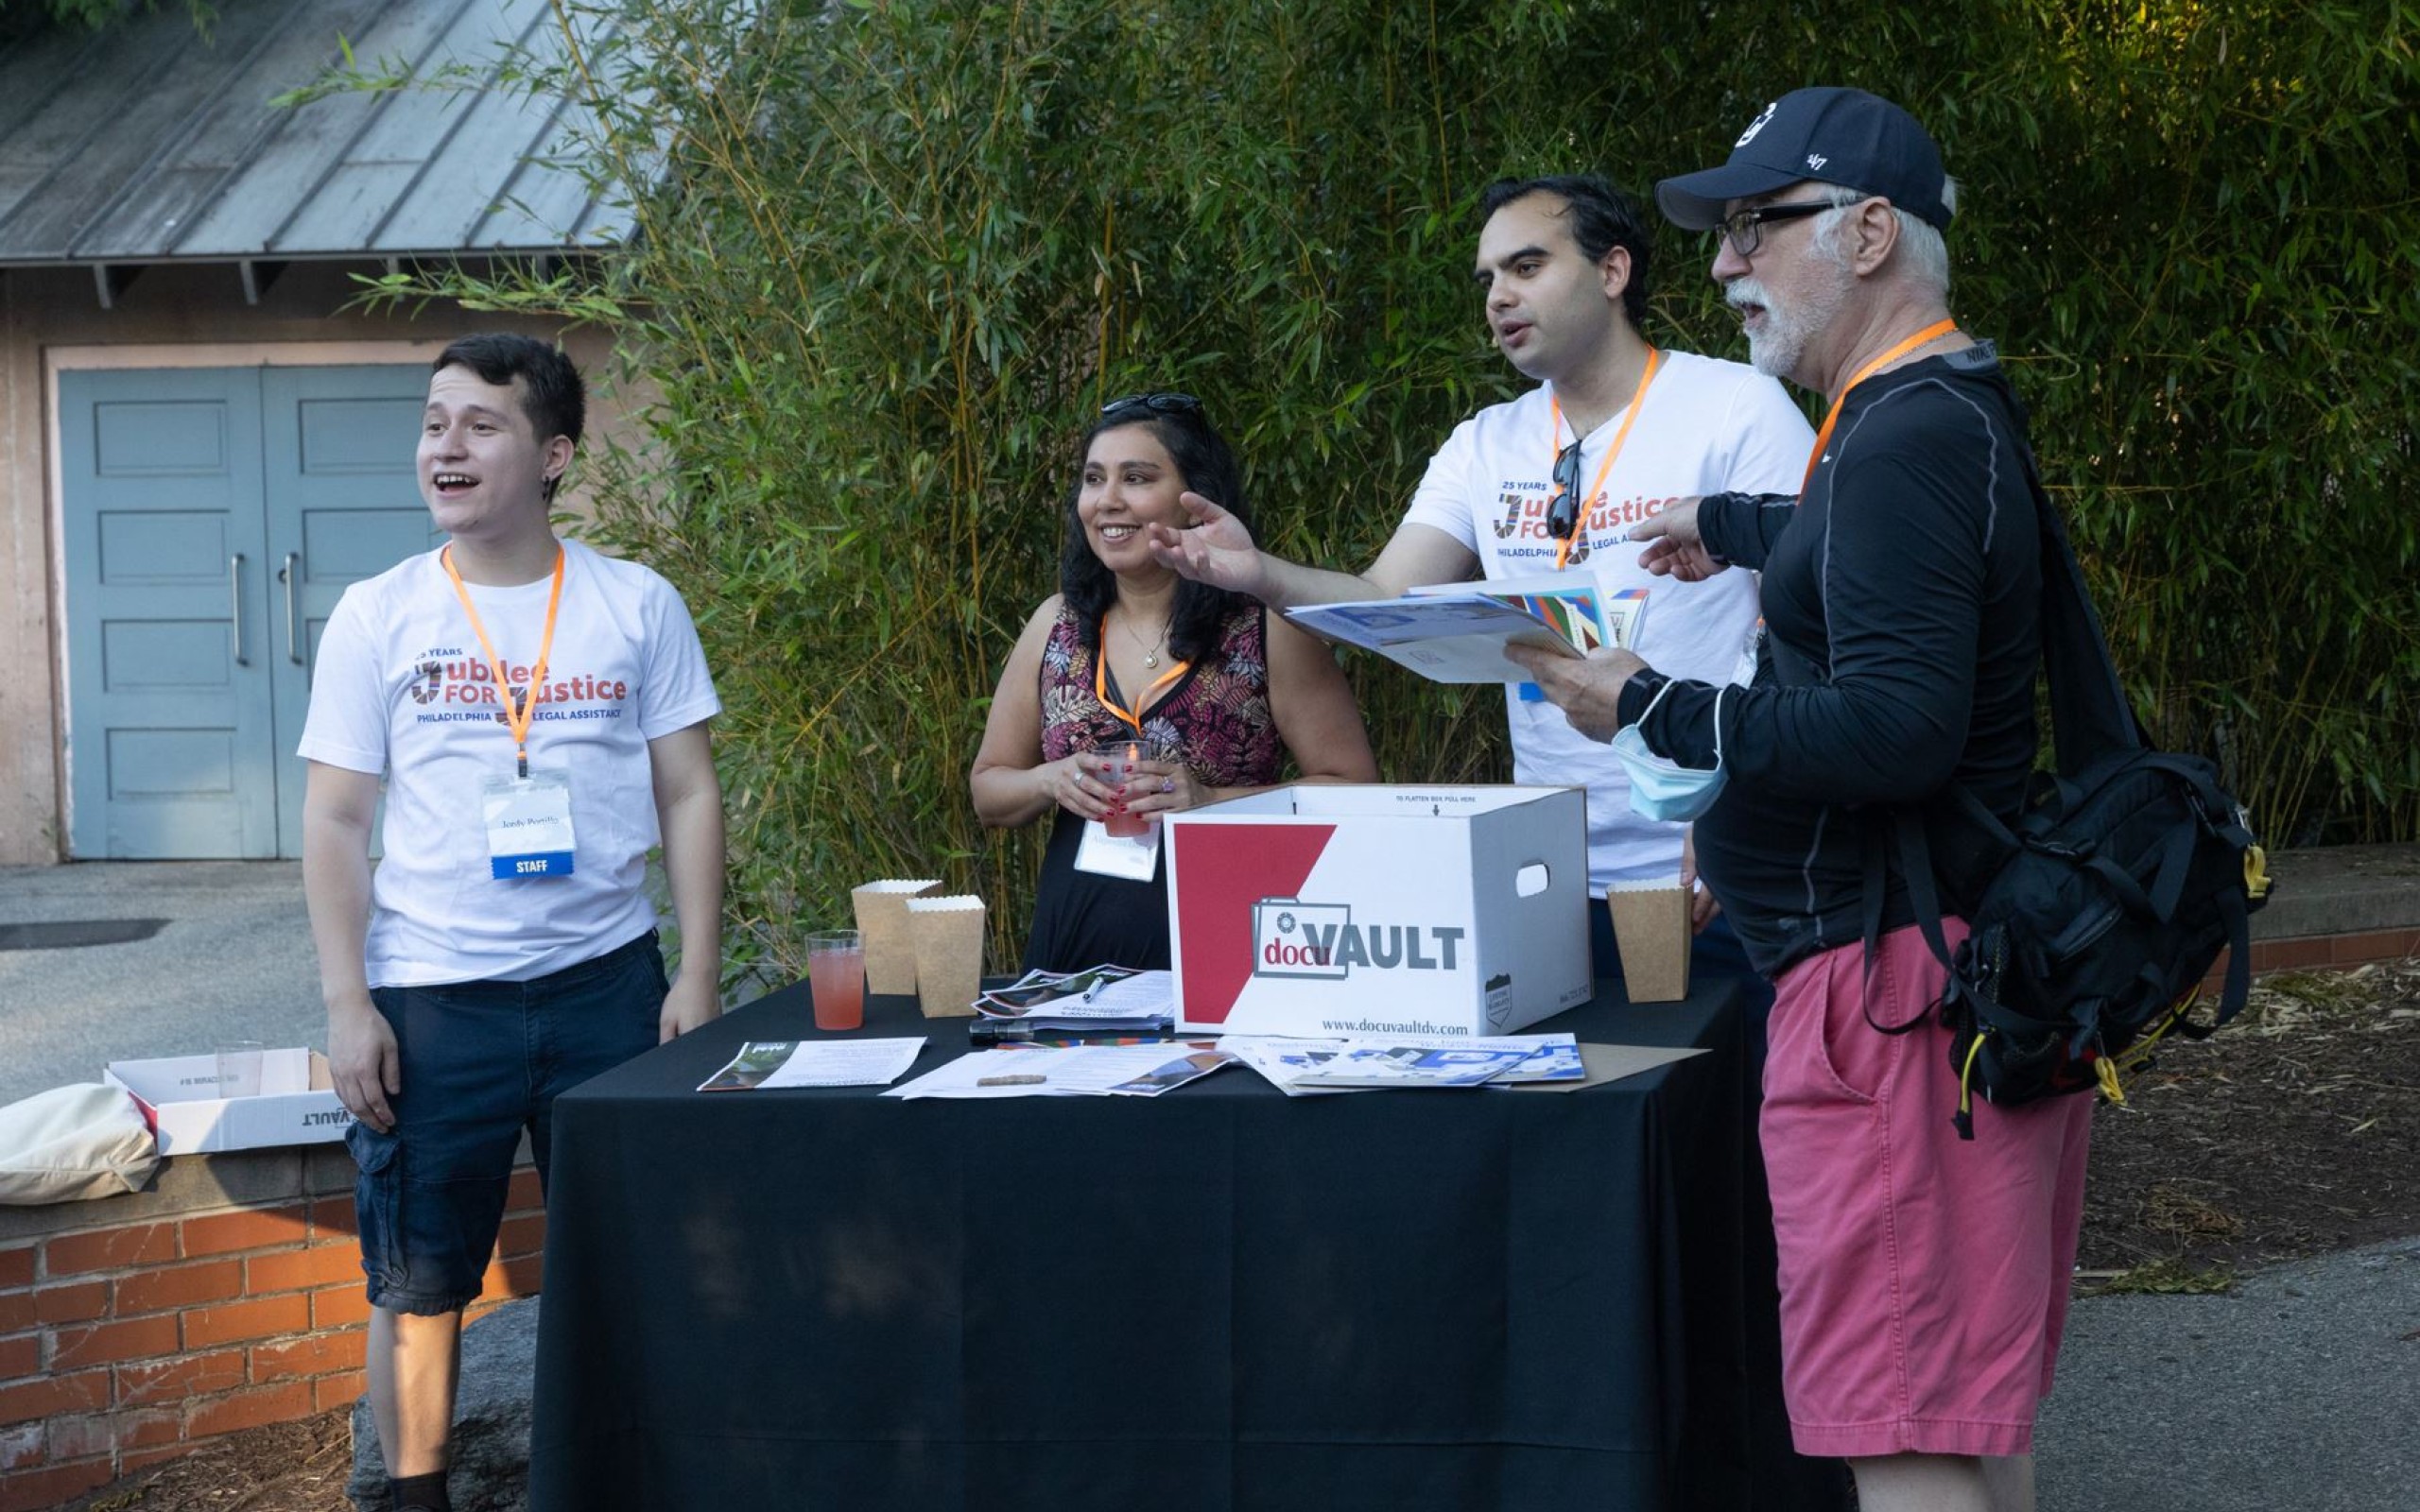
{"x":538,"y":714}
{"x":1553,"y":481}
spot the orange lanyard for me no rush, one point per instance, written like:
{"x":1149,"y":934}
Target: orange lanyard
{"x":1132,"y":717}
{"x":1823,"y":437}
{"x":516,"y":720}
{"x":1554,"y":409}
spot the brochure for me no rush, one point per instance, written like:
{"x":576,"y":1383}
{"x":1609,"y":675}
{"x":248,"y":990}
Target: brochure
{"x":1411,"y":1066}
{"x":1171,"y":1069}
{"x":1550,"y":1062}
{"x":1281,"y":1061}
{"x":1106,"y":998}
{"x":1289,"y":1064}
{"x":1601,"y":1064}
{"x":815,"y":1063}
{"x":1074,"y":1070}
{"x":1456,"y":632}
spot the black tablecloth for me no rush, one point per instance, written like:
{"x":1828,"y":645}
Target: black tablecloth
{"x":1220,"y":1298}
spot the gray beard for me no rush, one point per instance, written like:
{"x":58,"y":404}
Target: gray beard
{"x":1788,"y":330}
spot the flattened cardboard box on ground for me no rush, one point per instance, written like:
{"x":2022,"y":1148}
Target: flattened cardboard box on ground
{"x":1323,"y":910}
{"x":297,"y":1103}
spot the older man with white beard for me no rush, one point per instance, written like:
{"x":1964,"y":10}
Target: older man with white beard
{"x":1924,"y":1277}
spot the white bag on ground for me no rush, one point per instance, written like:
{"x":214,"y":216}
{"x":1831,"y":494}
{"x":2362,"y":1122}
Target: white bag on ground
{"x":73,"y":1143}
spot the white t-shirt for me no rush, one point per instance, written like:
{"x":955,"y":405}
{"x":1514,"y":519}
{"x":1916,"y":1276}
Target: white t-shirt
{"x":1708,"y":426}
{"x":402,"y":688}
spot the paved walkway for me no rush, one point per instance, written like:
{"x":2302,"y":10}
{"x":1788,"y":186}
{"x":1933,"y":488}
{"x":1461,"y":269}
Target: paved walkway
{"x":234,"y":962}
{"x":2300,"y":1390}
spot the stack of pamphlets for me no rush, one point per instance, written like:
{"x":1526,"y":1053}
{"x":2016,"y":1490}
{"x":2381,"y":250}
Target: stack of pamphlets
{"x":1302,"y":1067}
{"x":1072,"y":1071}
{"x":1111,"y":999}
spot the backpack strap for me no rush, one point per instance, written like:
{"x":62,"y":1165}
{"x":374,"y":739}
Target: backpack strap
{"x":2238,"y":986}
{"x":1915,"y":864}
{"x":2089,"y":715}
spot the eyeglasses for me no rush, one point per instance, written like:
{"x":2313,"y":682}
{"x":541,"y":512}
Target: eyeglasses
{"x":1165,"y":403}
{"x":1563,"y":510}
{"x":1743,"y":229}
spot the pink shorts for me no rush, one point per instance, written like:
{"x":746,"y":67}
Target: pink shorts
{"x":1924,"y":1278}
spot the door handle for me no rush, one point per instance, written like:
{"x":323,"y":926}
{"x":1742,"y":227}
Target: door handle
{"x":236,"y":604}
{"x":285,"y":576}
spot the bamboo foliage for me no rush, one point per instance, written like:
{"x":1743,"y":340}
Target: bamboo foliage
{"x":891,"y":257}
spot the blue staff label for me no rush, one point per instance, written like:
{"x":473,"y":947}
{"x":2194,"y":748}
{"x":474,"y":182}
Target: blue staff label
{"x":528,"y":820}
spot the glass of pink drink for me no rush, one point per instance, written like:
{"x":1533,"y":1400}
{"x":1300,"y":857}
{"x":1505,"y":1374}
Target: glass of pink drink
{"x":836,"y":977}
{"x":1116,"y":768}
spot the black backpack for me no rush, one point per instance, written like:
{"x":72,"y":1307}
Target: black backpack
{"x":2100,"y":911}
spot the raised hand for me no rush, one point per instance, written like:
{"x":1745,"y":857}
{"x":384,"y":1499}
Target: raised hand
{"x":1674,"y":548}
{"x":1216,"y":549}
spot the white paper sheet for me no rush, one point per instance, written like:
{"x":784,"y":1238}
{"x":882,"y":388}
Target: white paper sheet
{"x":1069,"y":1071}
{"x":763,"y":1063}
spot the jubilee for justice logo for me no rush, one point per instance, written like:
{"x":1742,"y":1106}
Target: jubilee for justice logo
{"x":1524,"y":515}
{"x":425,"y":677}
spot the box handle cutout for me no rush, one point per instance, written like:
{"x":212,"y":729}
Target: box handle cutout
{"x":1530,"y":880}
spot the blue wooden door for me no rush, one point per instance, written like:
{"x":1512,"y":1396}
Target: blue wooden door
{"x":168,"y":649}
{"x":343,"y":504}
{"x":213,"y":517}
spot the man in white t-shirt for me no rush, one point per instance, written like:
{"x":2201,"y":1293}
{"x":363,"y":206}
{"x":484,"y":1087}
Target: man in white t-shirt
{"x":1553,"y":481}
{"x":538,"y":714}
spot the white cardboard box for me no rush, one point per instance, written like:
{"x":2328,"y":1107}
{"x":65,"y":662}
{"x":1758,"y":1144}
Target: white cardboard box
{"x":1339,"y":909}
{"x":297,"y":1103}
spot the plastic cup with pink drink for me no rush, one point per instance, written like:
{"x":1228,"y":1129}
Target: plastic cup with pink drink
{"x":1118,"y":769}
{"x":836,"y":977}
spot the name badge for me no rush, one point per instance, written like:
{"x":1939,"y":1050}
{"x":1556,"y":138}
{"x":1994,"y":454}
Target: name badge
{"x":528,"y":820}
{"x":1135,"y":858}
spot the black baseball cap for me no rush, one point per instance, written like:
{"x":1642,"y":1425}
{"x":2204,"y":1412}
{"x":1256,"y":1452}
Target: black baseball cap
{"x":1842,"y":136}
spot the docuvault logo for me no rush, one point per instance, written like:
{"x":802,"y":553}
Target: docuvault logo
{"x":1293,"y":938}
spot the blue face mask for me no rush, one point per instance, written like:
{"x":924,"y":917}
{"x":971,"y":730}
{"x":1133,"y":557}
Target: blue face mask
{"x":1661,"y":789}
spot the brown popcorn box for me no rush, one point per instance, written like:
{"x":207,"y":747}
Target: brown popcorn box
{"x":948,"y":936}
{"x":1652,"y":926}
{"x":882,"y":922}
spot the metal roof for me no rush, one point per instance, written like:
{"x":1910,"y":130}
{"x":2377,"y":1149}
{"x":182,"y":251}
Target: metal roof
{"x":145,"y":144}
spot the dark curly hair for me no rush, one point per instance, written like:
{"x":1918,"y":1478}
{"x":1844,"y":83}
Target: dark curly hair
{"x":1208,"y":467}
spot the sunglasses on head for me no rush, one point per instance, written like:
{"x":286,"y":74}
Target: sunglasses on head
{"x":1160,"y":404}
{"x":1563,"y":510}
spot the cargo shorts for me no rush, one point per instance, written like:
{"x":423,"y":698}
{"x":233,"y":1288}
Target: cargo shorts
{"x":481,"y":1062}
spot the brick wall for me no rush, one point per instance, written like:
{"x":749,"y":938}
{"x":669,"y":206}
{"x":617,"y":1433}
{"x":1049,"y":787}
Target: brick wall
{"x":2319,"y":953}
{"x":227,"y":1295}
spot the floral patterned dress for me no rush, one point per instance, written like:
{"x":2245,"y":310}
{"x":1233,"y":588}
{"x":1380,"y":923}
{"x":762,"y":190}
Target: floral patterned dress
{"x":1215,"y":720}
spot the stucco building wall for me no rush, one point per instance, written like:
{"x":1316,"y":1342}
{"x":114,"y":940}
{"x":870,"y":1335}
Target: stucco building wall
{"x":51,"y":320}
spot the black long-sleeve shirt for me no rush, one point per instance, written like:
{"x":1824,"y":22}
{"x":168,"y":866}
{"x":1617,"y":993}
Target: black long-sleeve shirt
{"x":1902,"y":599}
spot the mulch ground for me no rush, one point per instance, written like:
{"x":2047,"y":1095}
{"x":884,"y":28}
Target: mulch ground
{"x":2296,"y":1132}
{"x":296,"y":1467}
